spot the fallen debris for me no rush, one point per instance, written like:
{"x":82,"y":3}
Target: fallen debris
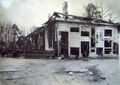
{"x":70,"y":73}
{"x":90,"y":73}
{"x":94,"y":74}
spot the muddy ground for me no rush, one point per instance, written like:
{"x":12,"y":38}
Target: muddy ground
{"x":59,"y":72}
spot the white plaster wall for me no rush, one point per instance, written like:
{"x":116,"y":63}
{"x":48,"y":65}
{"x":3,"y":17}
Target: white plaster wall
{"x":100,"y":32}
{"x":74,"y":40}
{"x":115,"y":35}
{"x":46,"y":42}
{"x":73,"y":37}
{"x":62,"y":27}
{"x":100,"y":40}
{"x":84,"y":38}
{"x":87,"y":28}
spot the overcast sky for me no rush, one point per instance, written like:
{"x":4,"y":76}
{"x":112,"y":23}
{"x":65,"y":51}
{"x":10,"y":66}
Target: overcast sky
{"x":27,"y":13}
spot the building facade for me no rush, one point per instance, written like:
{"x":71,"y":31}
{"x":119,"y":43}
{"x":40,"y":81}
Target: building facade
{"x":71,"y":35}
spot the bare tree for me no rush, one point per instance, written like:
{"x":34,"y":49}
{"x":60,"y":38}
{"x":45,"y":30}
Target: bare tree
{"x":100,"y":11}
{"x":8,"y":32}
{"x":92,"y":11}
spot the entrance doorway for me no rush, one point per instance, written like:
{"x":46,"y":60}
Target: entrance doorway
{"x":99,"y":51}
{"x":64,"y":43}
{"x":85,"y":48}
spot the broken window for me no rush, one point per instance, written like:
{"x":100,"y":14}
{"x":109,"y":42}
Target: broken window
{"x":92,"y":50}
{"x":108,"y":32}
{"x":74,"y":51}
{"x":84,"y":33}
{"x":107,"y":51}
{"x":74,"y":29}
{"x":107,"y":43}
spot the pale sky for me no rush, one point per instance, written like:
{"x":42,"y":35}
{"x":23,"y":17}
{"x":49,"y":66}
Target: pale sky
{"x":27,"y":13}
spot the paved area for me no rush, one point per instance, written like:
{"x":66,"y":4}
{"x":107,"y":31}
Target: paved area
{"x":54,"y":72}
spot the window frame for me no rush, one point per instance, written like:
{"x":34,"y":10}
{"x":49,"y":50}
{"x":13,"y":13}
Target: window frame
{"x":109,"y":46}
{"x":106,"y":33}
{"x":85,"y":35}
{"x":74,"y":29}
{"x":74,"y":48}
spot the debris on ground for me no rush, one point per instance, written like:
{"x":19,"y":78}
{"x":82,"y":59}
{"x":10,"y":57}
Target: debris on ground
{"x":70,"y":73}
{"x":59,"y":72}
{"x":90,"y":73}
{"x":11,"y":75}
{"x":94,"y":73}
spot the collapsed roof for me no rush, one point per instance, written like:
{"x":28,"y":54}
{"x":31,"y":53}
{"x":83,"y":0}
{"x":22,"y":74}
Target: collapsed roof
{"x":63,"y":17}
{"x":72,"y":18}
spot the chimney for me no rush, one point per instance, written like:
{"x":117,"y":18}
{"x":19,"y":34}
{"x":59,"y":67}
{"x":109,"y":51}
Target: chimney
{"x":65,"y":8}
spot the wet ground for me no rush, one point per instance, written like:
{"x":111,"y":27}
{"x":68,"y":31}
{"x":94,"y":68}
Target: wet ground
{"x":57,"y":72}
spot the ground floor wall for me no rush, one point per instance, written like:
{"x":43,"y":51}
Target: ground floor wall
{"x":93,"y":52}
{"x":75,"y":43}
{"x":73,"y":39}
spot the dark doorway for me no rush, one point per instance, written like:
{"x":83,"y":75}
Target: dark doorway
{"x":99,"y":51}
{"x":85,"y":48}
{"x":64,"y":43}
{"x":115,"y":48}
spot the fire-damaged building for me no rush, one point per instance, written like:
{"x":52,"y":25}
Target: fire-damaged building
{"x":70,"y":35}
